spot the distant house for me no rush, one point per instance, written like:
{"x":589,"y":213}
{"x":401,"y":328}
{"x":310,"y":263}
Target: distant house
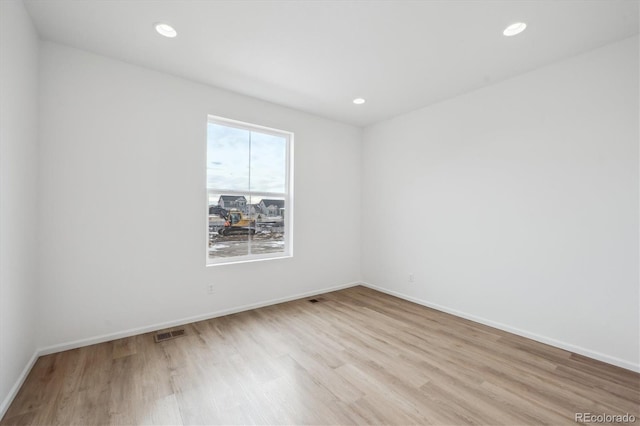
{"x":254,"y":209}
{"x":229,"y":202}
{"x":272,"y":207}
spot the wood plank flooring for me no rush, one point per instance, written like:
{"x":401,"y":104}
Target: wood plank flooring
{"x":357,"y":357}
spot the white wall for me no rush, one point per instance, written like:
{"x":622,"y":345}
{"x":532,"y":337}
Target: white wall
{"x":124,"y":207}
{"x":18,"y":201}
{"x":517,"y":204}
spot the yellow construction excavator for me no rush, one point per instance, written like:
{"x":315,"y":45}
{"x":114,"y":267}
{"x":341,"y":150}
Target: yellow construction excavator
{"x":234,"y":222}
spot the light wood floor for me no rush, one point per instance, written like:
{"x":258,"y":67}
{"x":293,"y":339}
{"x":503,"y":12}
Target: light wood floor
{"x":358,"y":357}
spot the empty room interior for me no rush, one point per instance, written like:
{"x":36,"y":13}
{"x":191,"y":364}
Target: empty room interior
{"x":319,"y":212}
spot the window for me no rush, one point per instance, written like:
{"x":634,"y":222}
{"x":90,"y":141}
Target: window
{"x":248,"y":192}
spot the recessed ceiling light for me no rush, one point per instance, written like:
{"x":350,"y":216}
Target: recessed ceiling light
{"x":358,"y":101}
{"x":514,"y":29}
{"x":166,"y":30}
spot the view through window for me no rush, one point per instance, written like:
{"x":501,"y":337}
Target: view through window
{"x":248,"y":180}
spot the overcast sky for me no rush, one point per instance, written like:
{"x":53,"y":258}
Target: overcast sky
{"x":241,"y":160}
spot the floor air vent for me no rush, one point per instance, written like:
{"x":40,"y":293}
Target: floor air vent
{"x":166,"y":335}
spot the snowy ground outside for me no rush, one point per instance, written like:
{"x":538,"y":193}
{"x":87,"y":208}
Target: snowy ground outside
{"x":239,"y":245}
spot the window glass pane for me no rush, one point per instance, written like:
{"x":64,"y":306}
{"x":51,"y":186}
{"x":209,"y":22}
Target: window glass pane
{"x":268,"y":162}
{"x":227,"y":157}
{"x":238,"y":226}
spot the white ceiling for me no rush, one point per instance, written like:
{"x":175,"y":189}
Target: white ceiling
{"x":317,"y":56}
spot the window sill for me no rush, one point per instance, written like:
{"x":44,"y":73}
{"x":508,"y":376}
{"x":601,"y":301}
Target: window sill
{"x":245,"y":259}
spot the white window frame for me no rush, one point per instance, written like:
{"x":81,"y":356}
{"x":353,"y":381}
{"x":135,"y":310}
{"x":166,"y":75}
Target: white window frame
{"x":287,"y":195}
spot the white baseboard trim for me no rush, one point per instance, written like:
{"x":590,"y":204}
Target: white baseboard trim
{"x":533,"y":336}
{"x":18,"y":384}
{"x":153,"y":327}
